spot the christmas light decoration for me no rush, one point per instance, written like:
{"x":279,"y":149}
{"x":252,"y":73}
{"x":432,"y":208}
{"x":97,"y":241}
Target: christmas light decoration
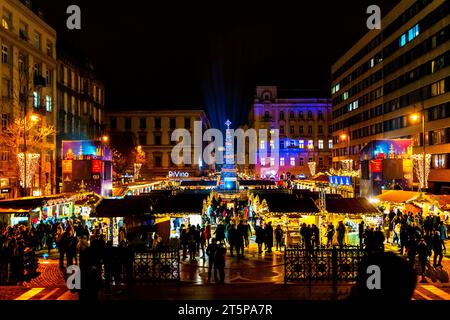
{"x":343,"y":173}
{"x":312,"y":168}
{"x":32,"y":160}
{"x":419,"y":169}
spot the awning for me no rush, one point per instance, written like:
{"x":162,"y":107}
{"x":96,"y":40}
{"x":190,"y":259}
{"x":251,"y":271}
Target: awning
{"x":15,"y":211}
{"x":397,"y":196}
{"x":350,"y":206}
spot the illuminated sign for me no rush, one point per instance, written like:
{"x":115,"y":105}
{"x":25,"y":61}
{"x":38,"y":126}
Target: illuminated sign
{"x":6,"y":190}
{"x":178,"y":174}
{"x":340,"y":180}
{"x":67,"y":166}
{"x":96,"y":166}
{"x":377,"y":166}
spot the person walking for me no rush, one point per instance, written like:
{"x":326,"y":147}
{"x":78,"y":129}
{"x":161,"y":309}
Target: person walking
{"x":232,"y":237}
{"x":279,"y":238}
{"x":241,"y":232}
{"x":341,"y":234}
{"x":62,"y":246}
{"x":437,"y":249}
{"x":269,"y":237}
{"x":361,"y":233}
{"x":207,"y":233}
{"x":422,"y":250}
{"x":219,"y":262}
{"x":315,"y":236}
{"x":184,"y":241}
{"x":403,"y":237}
{"x":211,"y":252}
{"x":260,"y":235}
{"x":330,"y":235}
{"x":442,"y":228}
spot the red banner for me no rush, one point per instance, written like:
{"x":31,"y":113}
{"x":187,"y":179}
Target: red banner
{"x":377,"y":165}
{"x":96,"y":166}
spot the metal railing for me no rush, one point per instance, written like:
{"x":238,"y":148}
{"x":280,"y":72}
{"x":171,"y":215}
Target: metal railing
{"x":322,"y":264}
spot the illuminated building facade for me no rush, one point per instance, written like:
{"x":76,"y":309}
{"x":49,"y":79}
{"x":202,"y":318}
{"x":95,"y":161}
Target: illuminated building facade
{"x":28,"y":91}
{"x":391,"y":77}
{"x":304,"y":133}
{"x":80,"y":100}
{"x":151,"y":131}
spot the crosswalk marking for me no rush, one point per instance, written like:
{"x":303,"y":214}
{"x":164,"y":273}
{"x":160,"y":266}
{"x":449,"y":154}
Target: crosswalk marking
{"x":441,"y":293}
{"x":29,"y":294}
{"x":48,"y":295}
{"x":423,"y":295}
{"x":66,"y":296}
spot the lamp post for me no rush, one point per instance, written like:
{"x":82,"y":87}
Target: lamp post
{"x":344,"y":137}
{"x":415,"y":118}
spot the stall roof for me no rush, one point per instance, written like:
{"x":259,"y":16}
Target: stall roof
{"x":198,"y":183}
{"x":180,"y":203}
{"x":443,"y":200}
{"x":289,"y":203}
{"x":123,"y":207}
{"x":28,"y":203}
{"x":397,"y":196}
{"x":245,"y":183}
{"x":350,"y":206}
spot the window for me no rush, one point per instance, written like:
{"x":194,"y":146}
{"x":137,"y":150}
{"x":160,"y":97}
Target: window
{"x":320,"y":144}
{"x":4,"y":155}
{"x":113,"y":123}
{"x":4,"y":54}
{"x":35,"y":99}
{"x":187,"y":123}
{"x":157,"y":123}
{"x":310,"y":144}
{"x":272,"y":144}
{"x":127,"y":123}
{"x":438,"y":88}
{"x":402,"y":40}
{"x":23,"y":31}
{"x":49,"y":49}
{"x":266,"y":114}
{"x":37,"y":40}
{"x":263,"y":161}
{"x":23,"y":65}
{"x":282,"y":162}
{"x":310,"y":129}
{"x":158,"y":161}
{"x":320,"y":115}
{"x":335,"y":88}
{"x":292,"y":143}
{"x":292,"y":162}
{"x":172,"y":123}
{"x":320,"y":162}
{"x":291,"y":115}
{"x":38,"y":70}
{"x":301,"y":162}
{"x":292,"y":130}
{"x":354,"y":105}
{"x":157,"y":140}
{"x":281,"y":144}
{"x":49,"y":76}
{"x":345,"y":95}
{"x":330,"y":144}
{"x":272,"y":162}
{"x":301,"y":144}
{"x":301,"y":129}
{"x":438,"y":161}
{"x":320,"y":129}
{"x":262,"y":145}
{"x":300,"y":115}
{"x":281,"y":129}
{"x":413,"y":32}
{"x":4,"y":121}
{"x":281,"y":115}
{"x":6,"y":88}
{"x":310,"y":159}
{"x":142,"y":124}
{"x":48,"y":103}
{"x":310,"y":115}
{"x":6,"y":19}
{"x":142,"y":139}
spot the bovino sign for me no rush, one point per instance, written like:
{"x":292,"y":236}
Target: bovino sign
{"x":178,"y":174}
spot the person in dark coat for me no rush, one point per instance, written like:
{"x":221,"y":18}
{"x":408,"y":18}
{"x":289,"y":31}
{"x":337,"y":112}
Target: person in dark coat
{"x":437,"y":249}
{"x":184,"y":241}
{"x":422,"y":251}
{"x":241,"y":232}
{"x":62,"y":246}
{"x":232,"y":237}
{"x":361,"y":233}
{"x":269,"y":237}
{"x":220,"y":233}
{"x":278,"y":237}
{"x":211,"y":252}
{"x":219,"y":262}
{"x":316,"y":236}
{"x":260,"y":238}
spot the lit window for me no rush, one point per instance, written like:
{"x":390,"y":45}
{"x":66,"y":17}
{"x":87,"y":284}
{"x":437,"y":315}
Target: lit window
{"x":292,"y":161}
{"x":272,"y":144}
{"x":301,"y":144}
{"x":35,"y":99}
{"x":282,"y":162}
{"x":292,"y":143}
{"x":330,"y":144}
{"x":310,"y":144}
{"x":48,"y":103}
{"x":438,"y":88}
{"x":6,"y":19}
{"x":263,"y":161}
{"x":345,"y":95}
{"x":4,"y":54}
{"x":413,"y":32}
{"x":402,"y":40}
{"x":262,"y":145}
{"x":272,"y":162}
{"x":372,"y":62}
{"x":320,"y":144}
{"x":301,"y":162}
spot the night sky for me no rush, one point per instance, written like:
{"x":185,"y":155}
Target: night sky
{"x":211,"y":54}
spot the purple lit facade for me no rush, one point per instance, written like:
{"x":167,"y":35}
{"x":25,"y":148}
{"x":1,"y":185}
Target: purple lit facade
{"x":305,"y":136}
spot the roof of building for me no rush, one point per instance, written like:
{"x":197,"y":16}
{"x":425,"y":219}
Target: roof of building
{"x":397,"y":196}
{"x":350,"y":206}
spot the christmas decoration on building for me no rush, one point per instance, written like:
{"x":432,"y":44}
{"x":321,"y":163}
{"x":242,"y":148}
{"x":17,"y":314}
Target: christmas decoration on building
{"x":421,"y":171}
{"x":31,"y":163}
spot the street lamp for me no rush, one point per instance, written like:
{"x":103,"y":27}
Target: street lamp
{"x":105,"y":139}
{"x":414,"y":119}
{"x":346,"y":137}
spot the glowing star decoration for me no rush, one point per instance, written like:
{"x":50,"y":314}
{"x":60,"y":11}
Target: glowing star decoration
{"x":419,"y":169}
{"x":32,"y":160}
{"x":312,"y":168}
